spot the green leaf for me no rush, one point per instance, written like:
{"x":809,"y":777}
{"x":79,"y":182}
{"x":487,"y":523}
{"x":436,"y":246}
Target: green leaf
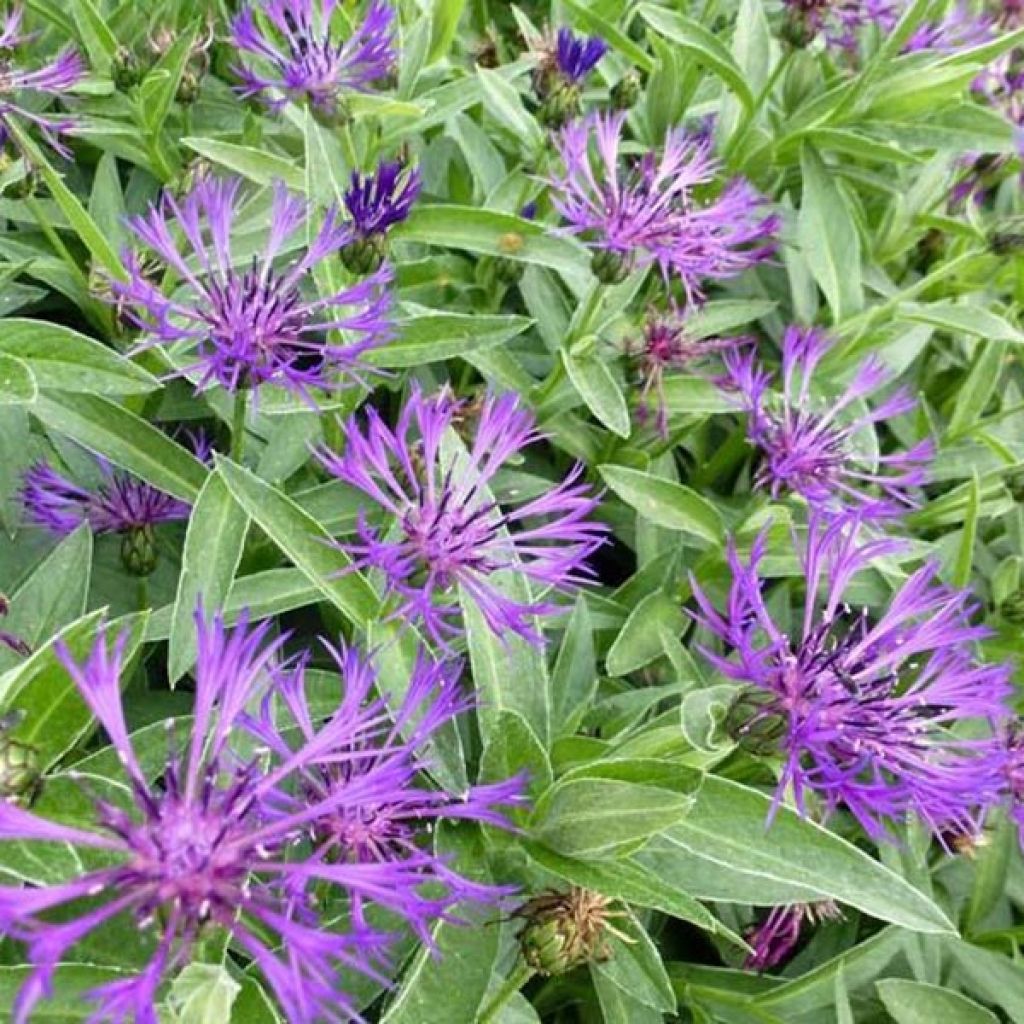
{"x":990,"y":977}
{"x":828,"y":237}
{"x":203,"y":994}
{"x":619,"y":1008}
{"x":64,"y":359}
{"x":100,"y":43}
{"x":694,"y":39}
{"x":640,"y":640}
{"x":503,"y":103}
{"x":209,"y":561}
{"x":304,"y":541}
{"x":54,"y":595}
{"x":444,"y":18}
{"x":914,"y":1002}
{"x":574,"y":677}
{"x":961,"y":318}
{"x":68,"y":1004}
{"x":255,"y":164}
{"x":157,"y":89}
{"x":604,"y":817}
{"x":17,"y":383}
{"x":449,"y":984}
{"x":432,"y":337}
{"x":634,"y":965}
{"x":974,"y":393}
{"x":593,"y":23}
{"x":728,"y":828}
{"x":514,"y":747}
{"x":968,"y":536}
{"x":125,"y":439}
{"x":666,"y":503}
{"x":598,"y":388}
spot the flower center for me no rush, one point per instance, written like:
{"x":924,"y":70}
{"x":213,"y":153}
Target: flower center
{"x":446,"y":540}
{"x":801,"y":451}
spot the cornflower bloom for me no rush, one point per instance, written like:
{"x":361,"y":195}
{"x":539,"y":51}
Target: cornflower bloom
{"x":635,"y":212}
{"x":667,"y":345}
{"x":249,"y":323}
{"x":194,"y":850}
{"x":61,"y":74}
{"x":863,"y":709}
{"x":381,"y":810}
{"x":810,"y":448}
{"x":301,"y":58}
{"x":376,"y":202}
{"x":449,"y":533}
{"x":775,"y":938}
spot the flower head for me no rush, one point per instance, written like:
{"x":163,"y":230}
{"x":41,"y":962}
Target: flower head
{"x":381,"y":811}
{"x":249,"y":322}
{"x":445,"y":531}
{"x":195,"y":850}
{"x":641,"y":211}
{"x":298,"y":56}
{"x":577,"y":56}
{"x":53,"y":79}
{"x":376,"y":202}
{"x":810,"y":448}
{"x":869,"y":711}
{"x":666,"y":345}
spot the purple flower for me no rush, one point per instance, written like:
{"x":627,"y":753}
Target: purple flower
{"x":445,"y":531}
{"x":301,"y":58}
{"x":52,"y":79}
{"x":809,"y":447}
{"x":642,"y":211}
{"x":576,"y":57}
{"x":120,"y":504}
{"x":378,"y":201}
{"x":250,"y":323}
{"x":775,"y":938}
{"x":868,"y":710}
{"x":667,"y":345}
{"x":195,"y":851}
{"x":839,"y":21}
{"x":381,"y":811}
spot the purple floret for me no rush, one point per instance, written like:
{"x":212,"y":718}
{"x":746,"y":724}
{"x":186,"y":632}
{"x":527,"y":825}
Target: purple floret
{"x":871,"y":709}
{"x":775,"y":938}
{"x":250,"y":322}
{"x":445,"y":532}
{"x":194,"y":850}
{"x":808,"y":446}
{"x":378,"y":201}
{"x":57,"y":77}
{"x":643,"y":210}
{"x":576,"y":56}
{"x":298,"y":57}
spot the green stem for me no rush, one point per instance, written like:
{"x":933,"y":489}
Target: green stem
{"x":590,"y":310}
{"x":238,"y":424}
{"x":55,"y":240}
{"x":515,"y":981}
{"x":348,"y":147}
{"x":741,"y":133}
{"x":142,"y":593}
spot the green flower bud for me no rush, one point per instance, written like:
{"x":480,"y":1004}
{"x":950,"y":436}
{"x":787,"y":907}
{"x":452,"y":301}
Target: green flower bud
{"x":188,"y":88}
{"x":609,"y":267}
{"x":125,"y":68}
{"x":1015,"y":485}
{"x":337,"y":115}
{"x":560,"y":106}
{"x":751,"y":723}
{"x":364,"y":255}
{"x":626,"y":90}
{"x":138,"y":551}
{"x":1012,"y":609}
{"x":1007,"y":243}
{"x":20,"y":775}
{"x":797,"y":30}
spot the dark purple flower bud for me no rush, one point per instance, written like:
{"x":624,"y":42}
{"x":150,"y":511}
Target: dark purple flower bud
{"x":577,"y":56}
{"x":446,"y":533}
{"x":775,"y":938}
{"x":807,"y":444}
{"x":638,"y":211}
{"x":375,"y":203}
{"x":252,"y":322}
{"x":297,"y":56}
{"x":884,"y":715}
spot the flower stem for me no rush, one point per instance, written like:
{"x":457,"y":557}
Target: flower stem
{"x":238,"y":424}
{"x":515,"y":981}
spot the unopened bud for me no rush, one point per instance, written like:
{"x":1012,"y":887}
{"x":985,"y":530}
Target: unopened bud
{"x":626,"y":90}
{"x":609,"y":267}
{"x":188,"y":88}
{"x":1012,"y":608}
{"x":560,"y":106}
{"x":138,"y":551}
{"x":125,"y":68}
{"x":364,"y":255}
{"x":751,"y":721}
{"x":20,"y":774}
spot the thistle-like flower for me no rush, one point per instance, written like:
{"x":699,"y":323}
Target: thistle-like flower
{"x":775,"y":938}
{"x":298,"y":57}
{"x":445,"y":532}
{"x":62,"y":73}
{"x":194,"y":850}
{"x":633,"y":212}
{"x":809,"y":447}
{"x":248,"y":322}
{"x":667,"y":345}
{"x":376,"y":202}
{"x":381,"y":810}
{"x":868,"y":711}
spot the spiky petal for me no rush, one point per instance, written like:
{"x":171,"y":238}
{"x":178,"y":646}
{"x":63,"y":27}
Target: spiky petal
{"x":644,"y":210}
{"x":872,"y":708}
{"x":444,"y":532}
{"x":576,"y":56}
{"x":808,"y":445}
{"x":378,"y":201}
{"x":248,"y":323}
